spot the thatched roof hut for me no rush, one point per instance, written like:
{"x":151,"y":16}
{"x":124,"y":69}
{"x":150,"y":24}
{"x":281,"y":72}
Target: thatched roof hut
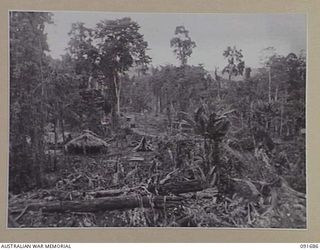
{"x":87,"y":143}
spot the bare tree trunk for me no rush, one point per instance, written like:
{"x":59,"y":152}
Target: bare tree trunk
{"x":118,"y":91}
{"x":35,"y":158}
{"x":276,"y":93}
{"x":219,"y":90}
{"x":267,"y":124}
{"x":39,"y":134}
{"x":156,"y":104}
{"x":55,"y":145}
{"x":242,"y":123}
{"x":218,"y":80}
{"x":207,"y":154}
{"x":159,"y":104}
{"x":251,"y":114}
{"x":269,"y":83}
{"x":286,"y":96}
{"x":114,"y":115}
{"x":281,"y":119}
{"x":216,"y":160}
{"x":62,"y":127}
{"x":169,"y":115}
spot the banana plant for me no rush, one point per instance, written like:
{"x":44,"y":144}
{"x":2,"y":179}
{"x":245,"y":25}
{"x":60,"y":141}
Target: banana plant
{"x":213,"y":127}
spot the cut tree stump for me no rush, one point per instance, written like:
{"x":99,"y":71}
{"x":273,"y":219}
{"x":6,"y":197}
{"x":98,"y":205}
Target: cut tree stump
{"x":101,"y":204}
{"x":143,"y":146}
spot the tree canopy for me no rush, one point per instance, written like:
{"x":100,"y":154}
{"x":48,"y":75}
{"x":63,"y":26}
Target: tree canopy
{"x":110,"y":49}
{"x":182,"y":44}
{"x":235,"y":64}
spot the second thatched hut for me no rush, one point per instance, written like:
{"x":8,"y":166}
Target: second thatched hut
{"x":86,"y":143}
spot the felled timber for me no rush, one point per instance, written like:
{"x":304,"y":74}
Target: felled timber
{"x":112,"y":192}
{"x":177,"y":187}
{"x":171,"y":187}
{"x":100,"y":204}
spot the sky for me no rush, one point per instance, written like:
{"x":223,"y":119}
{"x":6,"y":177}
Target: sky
{"x":211,"y":32}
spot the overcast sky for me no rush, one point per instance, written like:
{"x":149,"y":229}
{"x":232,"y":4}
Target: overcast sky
{"x":211,"y":32}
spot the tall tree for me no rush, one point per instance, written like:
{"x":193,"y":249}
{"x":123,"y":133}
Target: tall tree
{"x":82,"y":51}
{"x":112,"y":48}
{"x":182,"y":44}
{"x":121,"y":47}
{"x":28,"y":43}
{"x":284,"y":105}
{"x":266,"y":56}
{"x":235,"y":64}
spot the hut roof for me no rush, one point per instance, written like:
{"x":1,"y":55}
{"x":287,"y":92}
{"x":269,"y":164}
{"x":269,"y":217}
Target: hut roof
{"x":87,"y":139}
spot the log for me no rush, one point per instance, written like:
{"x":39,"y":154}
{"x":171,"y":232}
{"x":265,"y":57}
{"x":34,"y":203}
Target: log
{"x":112,"y":192}
{"x":177,"y":187}
{"x":182,"y":187}
{"x":101,"y":204}
{"x":163,"y":188}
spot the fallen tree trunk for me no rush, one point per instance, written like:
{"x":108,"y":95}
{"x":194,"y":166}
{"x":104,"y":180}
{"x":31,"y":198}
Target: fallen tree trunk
{"x":102,"y":204}
{"x":112,"y":192}
{"x":180,"y":187}
{"x":168,"y":187}
{"x":116,"y":199}
{"x":164,"y":187}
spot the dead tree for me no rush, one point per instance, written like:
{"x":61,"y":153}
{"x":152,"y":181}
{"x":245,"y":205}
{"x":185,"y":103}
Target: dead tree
{"x":218,"y":80}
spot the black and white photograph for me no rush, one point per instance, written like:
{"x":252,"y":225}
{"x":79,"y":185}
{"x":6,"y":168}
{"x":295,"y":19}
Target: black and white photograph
{"x":126,"y":119}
